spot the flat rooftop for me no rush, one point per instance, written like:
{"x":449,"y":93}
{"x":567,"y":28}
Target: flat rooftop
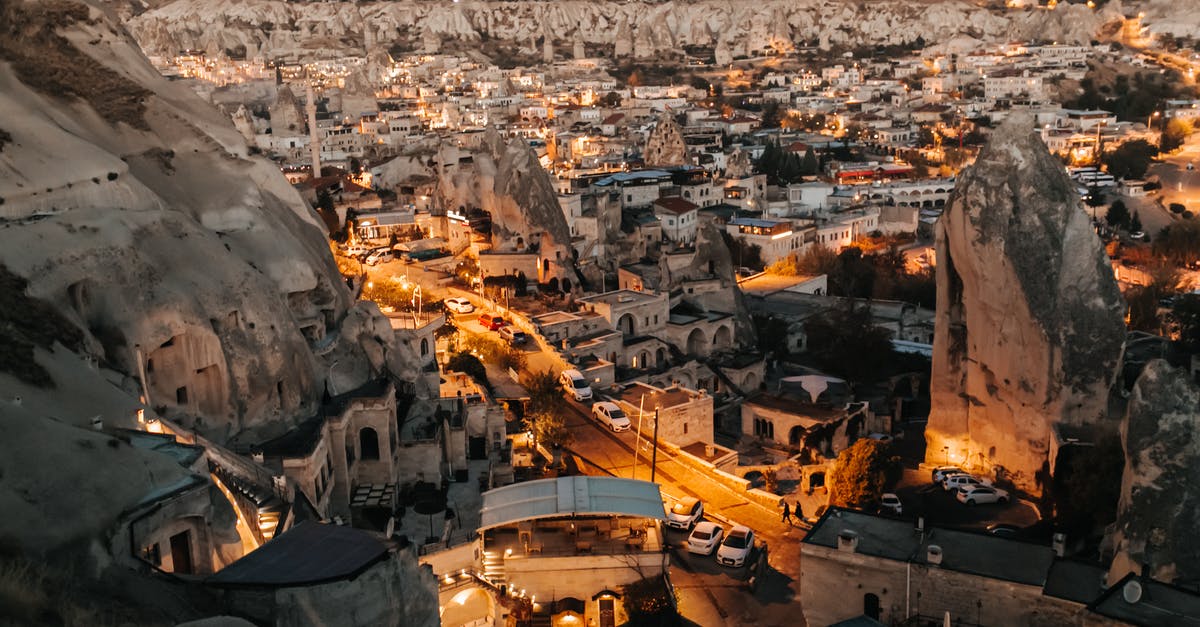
{"x":669,"y":397}
{"x":764,"y":283}
{"x":973,"y":553}
{"x":620,"y":297}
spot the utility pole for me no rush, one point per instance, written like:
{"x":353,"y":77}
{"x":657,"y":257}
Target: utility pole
{"x":654,"y":454}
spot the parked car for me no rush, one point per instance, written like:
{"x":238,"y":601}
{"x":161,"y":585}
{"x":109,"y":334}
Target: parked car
{"x":890,"y":503}
{"x":575,"y":385}
{"x":611,"y":416}
{"x":886,"y":438}
{"x":705,"y":538}
{"x":491,"y":322}
{"x":380,"y":255}
{"x":963,"y":480}
{"x":459,"y":305}
{"x":685,"y":513}
{"x":736,"y":547}
{"x":981,"y":494}
{"x":941,"y":472}
{"x":1002,"y":530}
{"x":357,"y":252}
{"x":512,"y":335}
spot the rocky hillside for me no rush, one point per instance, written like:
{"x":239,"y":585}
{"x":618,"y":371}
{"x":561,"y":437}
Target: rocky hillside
{"x":644,"y":28}
{"x":140,"y":221}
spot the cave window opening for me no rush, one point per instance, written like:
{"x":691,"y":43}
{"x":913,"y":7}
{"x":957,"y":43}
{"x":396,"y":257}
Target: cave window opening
{"x":181,"y":395}
{"x":368,"y":443}
{"x":170,"y":342}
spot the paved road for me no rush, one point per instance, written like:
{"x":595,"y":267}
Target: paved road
{"x":1180,"y":184}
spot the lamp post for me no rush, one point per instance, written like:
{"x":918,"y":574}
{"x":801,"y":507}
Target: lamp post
{"x":1150,"y":120}
{"x":654,"y":453}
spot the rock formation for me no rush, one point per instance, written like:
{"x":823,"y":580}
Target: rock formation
{"x":309,"y":29}
{"x":665,"y":146}
{"x":137,"y":212}
{"x":287,"y":118}
{"x":506,"y":180}
{"x":1030,"y":323}
{"x":1159,"y":510}
{"x":739,"y":165}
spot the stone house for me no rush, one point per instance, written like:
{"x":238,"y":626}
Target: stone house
{"x":678,"y":218}
{"x":899,"y":572}
{"x":685,"y":415}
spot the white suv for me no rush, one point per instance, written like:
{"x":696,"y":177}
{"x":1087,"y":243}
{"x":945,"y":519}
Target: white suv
{"x":954,"y":482}
{"x":575,"y":385}
{"x":685,"y":513}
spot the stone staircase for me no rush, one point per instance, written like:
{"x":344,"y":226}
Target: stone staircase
{"x":493,"y":567}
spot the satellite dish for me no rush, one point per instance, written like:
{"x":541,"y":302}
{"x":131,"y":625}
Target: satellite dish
{"x":1132,"y":591}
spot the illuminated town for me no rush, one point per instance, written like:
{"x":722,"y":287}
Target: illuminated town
{"x":527,"y":314}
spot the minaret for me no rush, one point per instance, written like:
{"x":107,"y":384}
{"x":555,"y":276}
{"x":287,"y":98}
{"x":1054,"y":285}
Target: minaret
{"x":314,"y":143}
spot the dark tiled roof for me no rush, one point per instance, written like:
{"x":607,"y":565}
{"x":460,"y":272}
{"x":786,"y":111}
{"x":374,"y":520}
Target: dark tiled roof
{"x":310,"y":553}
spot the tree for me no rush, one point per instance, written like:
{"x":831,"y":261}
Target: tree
{"x":1131,"y":159}
{"x":845,"y":342}
{"x":861,"y":474}
{"x":328,"y":215}
{"x":1135,"y":223}
{"x":544,"y":395}
{"x":1174,"y":134}
{"x":809,"y":166}
{"x":1118,"y":215}
{"x":1179,"y":242}
{"x":1143,"y":300}
{"x":611,"y":100}
{"x":549,"y":429}
{"x":648,"y":602}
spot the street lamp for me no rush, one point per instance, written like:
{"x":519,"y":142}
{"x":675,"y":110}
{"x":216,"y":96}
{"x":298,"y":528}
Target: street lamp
{"x":1150,"y":120}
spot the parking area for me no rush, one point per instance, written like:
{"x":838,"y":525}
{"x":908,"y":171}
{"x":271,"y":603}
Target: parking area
{"x":921,"y":497}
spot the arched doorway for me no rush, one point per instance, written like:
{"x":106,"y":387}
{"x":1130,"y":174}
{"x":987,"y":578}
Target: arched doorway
{"x":796,"y":436}
{"x":697,"y":343}
{"x":750,"y":382}
{"x":660,"y":357}
{"x":723,"y":338}
{"x":871,"y":606}
{"x":625,"y":324}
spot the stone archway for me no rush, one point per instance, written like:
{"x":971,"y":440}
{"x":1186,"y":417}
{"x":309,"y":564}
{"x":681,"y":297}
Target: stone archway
{"x":723,"y":338}
{"x":660,"y":357}
{"x":469,"y":607}
{"x":627,"y":324}
{"x":697,"y":342}
{"x":750,"y":382}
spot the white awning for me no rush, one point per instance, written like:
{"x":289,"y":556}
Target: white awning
{"x":570,"y":496}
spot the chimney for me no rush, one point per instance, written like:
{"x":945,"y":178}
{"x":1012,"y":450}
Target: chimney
{"x":847,"y":541}
{"x":1059,"y":542}
{"x":933,"y":555}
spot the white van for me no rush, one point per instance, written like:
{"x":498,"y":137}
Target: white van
{"x":575,"y":385}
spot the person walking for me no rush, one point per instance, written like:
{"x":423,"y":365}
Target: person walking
{"x":787,"y":513}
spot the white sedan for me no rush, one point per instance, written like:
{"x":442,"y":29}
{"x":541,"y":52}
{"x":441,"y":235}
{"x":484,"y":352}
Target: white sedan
{"x":978,"y":495}
{"x":705,"y":538}
{"x":736,"y":547}
{"x":459,"y":305}
{"x":611,"y":416}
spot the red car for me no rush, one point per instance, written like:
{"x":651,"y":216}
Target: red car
{"x":491,"y":322}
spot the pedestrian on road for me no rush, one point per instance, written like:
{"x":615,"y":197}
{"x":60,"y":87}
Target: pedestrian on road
{"x":787,"y":513}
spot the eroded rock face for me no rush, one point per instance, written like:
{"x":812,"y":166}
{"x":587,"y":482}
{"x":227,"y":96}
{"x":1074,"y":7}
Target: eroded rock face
{"x":1030,"y":323}
{"x":1159,"y":510}
{"x":665,"y":146}
{"x":151,"y":228}
{"x":302,"y":30}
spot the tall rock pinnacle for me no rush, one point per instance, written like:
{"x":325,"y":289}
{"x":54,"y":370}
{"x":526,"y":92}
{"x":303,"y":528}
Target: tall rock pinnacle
{"x":1030,"y":328}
